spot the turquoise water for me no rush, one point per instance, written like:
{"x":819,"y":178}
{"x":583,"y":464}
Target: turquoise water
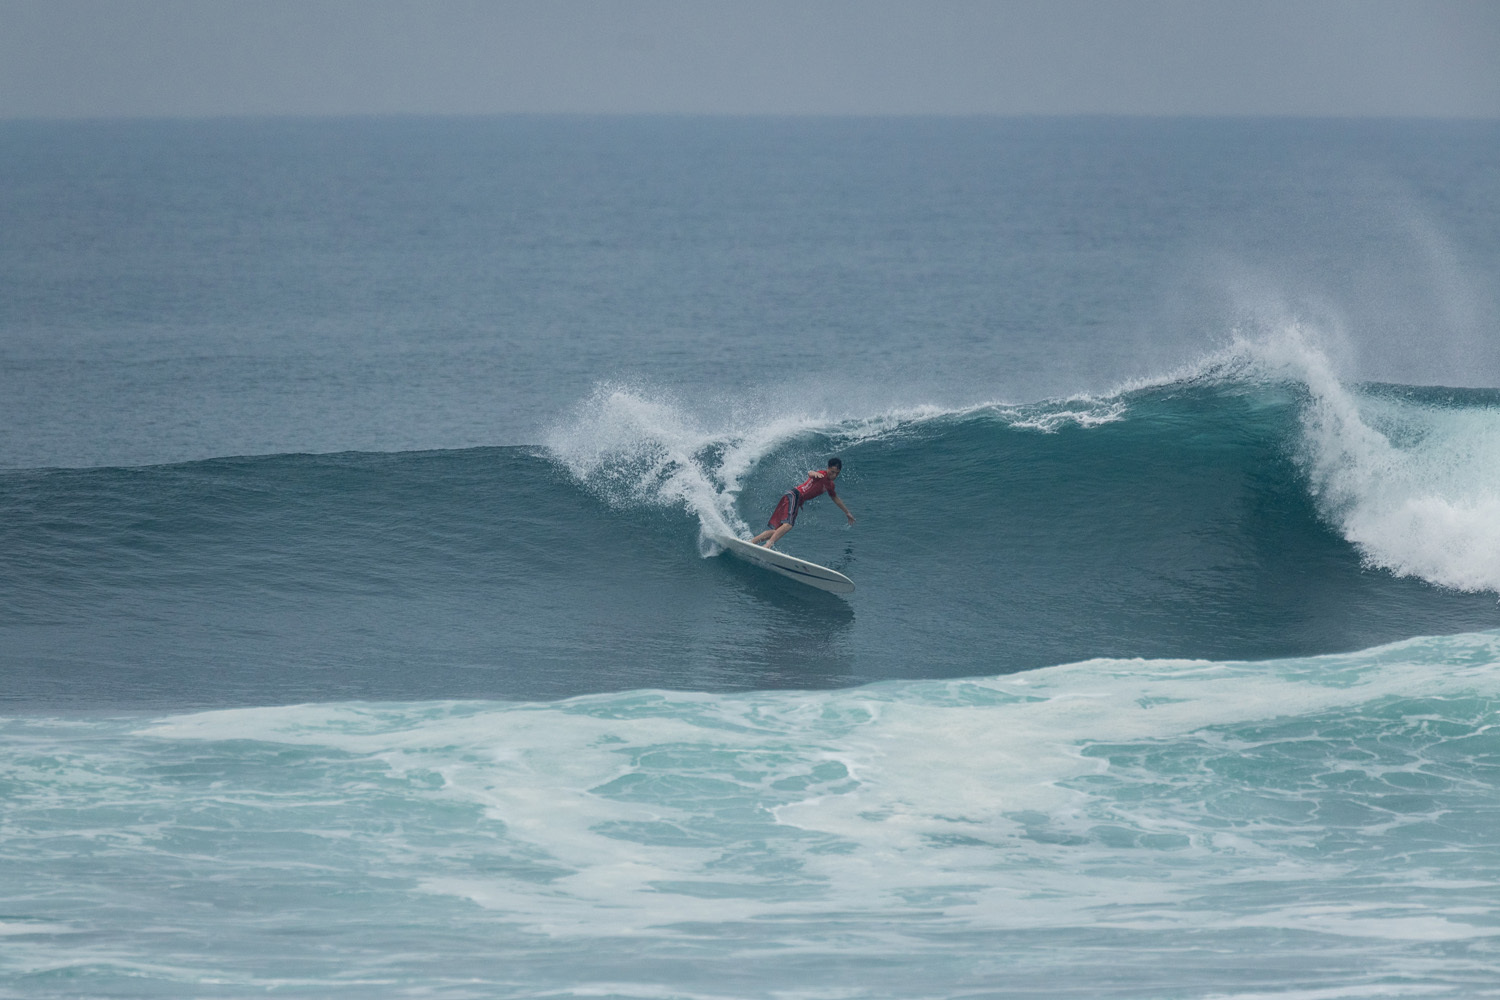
{"x":360,"y":633}
{"x":1302,"y":827}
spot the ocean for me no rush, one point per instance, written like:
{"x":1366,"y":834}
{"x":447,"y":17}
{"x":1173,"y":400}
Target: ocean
{"x":361,"y":631}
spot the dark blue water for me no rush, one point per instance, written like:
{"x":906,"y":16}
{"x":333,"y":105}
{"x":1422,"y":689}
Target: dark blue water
{"x":361,"y":632}
{"x":174,"y":291}
{"x":1182,"y":526}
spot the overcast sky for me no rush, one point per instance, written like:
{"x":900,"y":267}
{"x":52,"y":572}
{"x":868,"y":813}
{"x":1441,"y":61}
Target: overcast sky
{"x":72,"y":58}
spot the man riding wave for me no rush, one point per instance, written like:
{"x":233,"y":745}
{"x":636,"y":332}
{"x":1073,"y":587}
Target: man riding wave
{"x":819,"y":481}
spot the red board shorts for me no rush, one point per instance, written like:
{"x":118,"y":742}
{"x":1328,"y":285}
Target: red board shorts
{"x":787,"y":510}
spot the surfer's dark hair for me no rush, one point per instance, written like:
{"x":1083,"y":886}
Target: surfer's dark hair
{"x":836,"y":463}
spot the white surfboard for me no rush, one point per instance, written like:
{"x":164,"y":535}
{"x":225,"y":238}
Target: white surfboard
{"x":790,"y":567}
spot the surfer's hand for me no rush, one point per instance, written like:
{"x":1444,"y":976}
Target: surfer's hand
{"x":850,"y":517}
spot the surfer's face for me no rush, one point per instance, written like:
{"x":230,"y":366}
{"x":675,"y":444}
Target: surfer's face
{"x":834,"y":473}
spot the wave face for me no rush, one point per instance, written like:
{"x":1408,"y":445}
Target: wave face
{"x":1253,"y":507}
{"x":1293,"y":828}
{"x":397,"y":709}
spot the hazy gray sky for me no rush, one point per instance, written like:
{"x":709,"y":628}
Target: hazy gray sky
{"x":69,"y":58}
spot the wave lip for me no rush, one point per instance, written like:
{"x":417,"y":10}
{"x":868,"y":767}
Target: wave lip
{"x":632,"y":448}
{"x":1410,"y":477}
{"x":1254,"y":509}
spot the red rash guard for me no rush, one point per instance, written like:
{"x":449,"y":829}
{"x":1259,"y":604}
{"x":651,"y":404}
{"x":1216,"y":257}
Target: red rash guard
{"x":815,"y":487}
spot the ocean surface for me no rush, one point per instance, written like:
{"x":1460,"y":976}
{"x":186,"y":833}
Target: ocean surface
{"x":361,"y":634}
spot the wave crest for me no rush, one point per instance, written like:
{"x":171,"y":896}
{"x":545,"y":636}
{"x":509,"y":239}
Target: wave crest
{"x":1410,"y":477}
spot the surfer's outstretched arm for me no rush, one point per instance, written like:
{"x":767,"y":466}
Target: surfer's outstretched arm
{"x":836,"y":500}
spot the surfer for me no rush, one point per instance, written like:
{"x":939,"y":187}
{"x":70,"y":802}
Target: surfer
{"x":819,"y":481}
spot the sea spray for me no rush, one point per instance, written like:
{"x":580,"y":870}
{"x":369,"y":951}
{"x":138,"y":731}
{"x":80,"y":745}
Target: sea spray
{"x":1429,"y":507}
{"x":1408,"y":475}
{"x":1192,"y":516}
{"x":630,"y":446}
{"x":1413,"y":482}
{"x":1412,"y":478}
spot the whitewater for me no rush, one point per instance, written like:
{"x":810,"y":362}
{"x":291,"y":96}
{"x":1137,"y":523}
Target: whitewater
{"x":361,"y":633}
{"x":1410,"y":478}
{"x":1110,"y":828}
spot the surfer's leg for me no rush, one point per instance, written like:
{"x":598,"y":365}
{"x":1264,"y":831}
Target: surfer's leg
{"x":781,"y":519}
{"x":785,"y":517}
{"x":772,"y":534}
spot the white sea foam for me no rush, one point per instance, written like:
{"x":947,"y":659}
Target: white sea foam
{"x":1429,"y":507}
{"x":632,"y":446}
{"x":1415,"y":486}
{"x":635,"y":448}
{"x":1095,"y":814}
{"x":649,"y":807}
{"x":1081,"y":411}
